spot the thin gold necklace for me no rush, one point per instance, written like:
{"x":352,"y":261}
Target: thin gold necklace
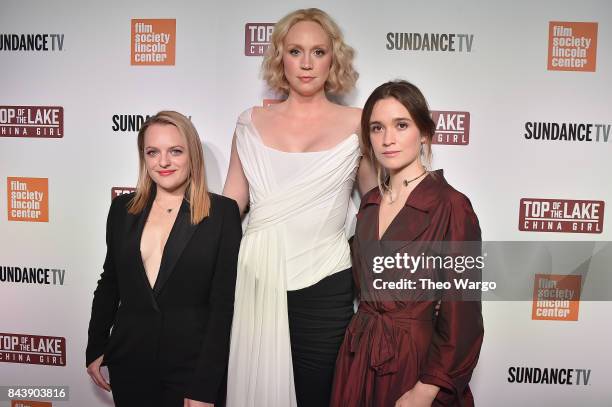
{"x":167,"y":210}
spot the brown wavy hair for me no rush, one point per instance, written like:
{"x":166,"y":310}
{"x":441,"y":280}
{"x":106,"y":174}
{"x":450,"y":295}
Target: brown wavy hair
{"x":197,"y":190}
{"x":342,"y":74}
{"x":413,"y":100}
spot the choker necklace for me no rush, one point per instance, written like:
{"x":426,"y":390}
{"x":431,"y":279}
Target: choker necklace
{"x":168,"y":210}
{"x":405,"y":183}
{"x":408,"y":181}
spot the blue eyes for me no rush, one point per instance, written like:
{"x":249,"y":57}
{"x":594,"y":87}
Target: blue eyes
{"x":174,"y":152}
{"x":317,"y":52}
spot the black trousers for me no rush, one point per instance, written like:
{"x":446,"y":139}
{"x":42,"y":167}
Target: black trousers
{"x":133,"y":387}
{"x":318,"y":317}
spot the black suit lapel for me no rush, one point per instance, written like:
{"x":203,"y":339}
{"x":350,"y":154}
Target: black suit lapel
{"x":181,"y":233}
{"x":134,"y":226}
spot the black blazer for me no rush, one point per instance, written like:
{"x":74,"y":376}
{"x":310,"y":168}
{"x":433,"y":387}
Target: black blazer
{"x":181,"y":326}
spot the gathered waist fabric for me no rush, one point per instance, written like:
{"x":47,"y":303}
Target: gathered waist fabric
{"x":377,"y":330}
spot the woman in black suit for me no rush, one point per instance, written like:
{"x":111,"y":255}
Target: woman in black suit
{"x":167,"y":289}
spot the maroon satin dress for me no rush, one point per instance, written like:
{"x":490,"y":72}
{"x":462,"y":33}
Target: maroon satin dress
{"x":390,"y":345}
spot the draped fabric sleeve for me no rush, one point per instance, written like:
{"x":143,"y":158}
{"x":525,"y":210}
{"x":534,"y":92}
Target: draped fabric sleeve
{"x":459,"y":331}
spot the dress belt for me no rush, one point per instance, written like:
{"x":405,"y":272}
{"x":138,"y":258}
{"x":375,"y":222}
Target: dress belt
{"x":378,"y":334}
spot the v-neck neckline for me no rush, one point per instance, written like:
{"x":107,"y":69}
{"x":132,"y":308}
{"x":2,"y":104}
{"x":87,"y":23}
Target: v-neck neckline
{"x":379,"y":236}
{"x":164,"y":251}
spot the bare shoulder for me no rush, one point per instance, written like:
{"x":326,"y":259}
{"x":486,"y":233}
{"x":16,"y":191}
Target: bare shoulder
{"x":349,"y":116}
{"x":349,"y":112}
{"x":264,"y":114}
{"x":257,"y":112}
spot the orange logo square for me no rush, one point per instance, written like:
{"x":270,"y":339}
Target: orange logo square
{"x":572,"y":46}
{"x":28,"y":199}
{"x":153,"y":41}
{"x":556,"y":297}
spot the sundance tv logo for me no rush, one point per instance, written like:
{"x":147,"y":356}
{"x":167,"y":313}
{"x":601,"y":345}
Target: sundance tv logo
{"x":429,"y":42}
{"x":583,"y":132}
{"x":128,"y":122}
{"x":31,"y":42}
{"x":153,"y":41}
{"x":122,"y":123}
{"x":572,"y":46}
{"x":33,"y":349}
{"x":452,"y":128}
{"x":32,"y":275}
{"x":116,"y":191}
{"x":28,"y":199}
{"x":32,"y":121}
{"x":548,"y":375}
{"x":257,"y":38}
{"x":561,"y":215}
{"x":556,"y":297}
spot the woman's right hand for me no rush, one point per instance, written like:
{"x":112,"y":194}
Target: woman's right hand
{"x":94,"y":370}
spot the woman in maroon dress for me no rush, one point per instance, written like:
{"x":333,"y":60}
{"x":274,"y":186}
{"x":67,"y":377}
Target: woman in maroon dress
{"x":398,"y":351}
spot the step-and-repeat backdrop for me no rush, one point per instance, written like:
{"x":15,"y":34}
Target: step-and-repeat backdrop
{"x":521,"y":96}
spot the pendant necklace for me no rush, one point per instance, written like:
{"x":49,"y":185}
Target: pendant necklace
{"x":405,"y":182}
{"x":167,"y":210}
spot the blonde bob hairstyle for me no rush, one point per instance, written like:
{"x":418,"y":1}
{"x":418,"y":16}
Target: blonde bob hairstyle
{"x":197,"y":190}
{"x":342,"y":75}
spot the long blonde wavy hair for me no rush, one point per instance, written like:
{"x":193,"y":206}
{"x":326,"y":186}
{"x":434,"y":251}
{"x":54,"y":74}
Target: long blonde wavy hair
{"x":197,"y":190}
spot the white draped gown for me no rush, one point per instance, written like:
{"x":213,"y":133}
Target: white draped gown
{"x":295,"y":237}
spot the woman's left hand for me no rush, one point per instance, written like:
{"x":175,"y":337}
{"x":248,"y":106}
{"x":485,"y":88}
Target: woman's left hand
{"x":194,"y":403}
{"x":421,"y":395}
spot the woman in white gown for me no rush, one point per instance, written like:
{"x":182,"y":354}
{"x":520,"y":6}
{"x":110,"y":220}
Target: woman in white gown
{"x":294,"y":164}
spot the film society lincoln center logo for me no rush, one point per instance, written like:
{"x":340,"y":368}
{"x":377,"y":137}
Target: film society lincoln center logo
{"x":27,"y":199}
{"x":33,"y":349}
{"x":561,"y":215}
{"x":556,"y":297}
{"x":153,"y":41}
{"x":572,"y":46}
